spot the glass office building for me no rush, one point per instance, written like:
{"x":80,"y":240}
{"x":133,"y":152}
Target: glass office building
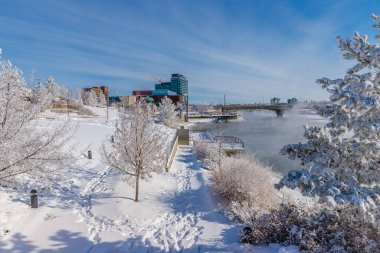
{"x":177,"y":84}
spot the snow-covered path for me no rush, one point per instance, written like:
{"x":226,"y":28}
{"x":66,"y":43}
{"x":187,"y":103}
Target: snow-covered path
{"x":189,"y":220}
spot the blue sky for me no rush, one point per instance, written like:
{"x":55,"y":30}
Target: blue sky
{"x":249,"y":50}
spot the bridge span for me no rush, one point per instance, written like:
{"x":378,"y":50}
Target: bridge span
{"x":279,"y":109}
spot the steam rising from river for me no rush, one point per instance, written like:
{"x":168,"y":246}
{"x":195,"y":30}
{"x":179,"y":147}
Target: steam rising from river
{"x":264,"y":134}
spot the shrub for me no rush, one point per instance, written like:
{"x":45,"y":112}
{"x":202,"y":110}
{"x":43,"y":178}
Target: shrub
{"x":319,"y":232}
{"x":209,"y":154}
{"x":245,"y":182}
{"x":85,"y":111}
{"x":202,"y":149}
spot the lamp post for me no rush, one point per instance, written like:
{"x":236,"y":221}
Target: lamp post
{"x":107,"y":110}
{"x":187,"y":106}
{"x":67,"y":107}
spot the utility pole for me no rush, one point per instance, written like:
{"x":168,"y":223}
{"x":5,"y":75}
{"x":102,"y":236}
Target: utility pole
{"x":224,"y":99}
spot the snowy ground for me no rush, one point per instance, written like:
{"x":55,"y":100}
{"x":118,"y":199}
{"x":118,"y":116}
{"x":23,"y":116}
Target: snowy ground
{"x":93,"y":211}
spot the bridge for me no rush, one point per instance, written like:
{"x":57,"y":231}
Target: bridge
{"x":279,"y":109}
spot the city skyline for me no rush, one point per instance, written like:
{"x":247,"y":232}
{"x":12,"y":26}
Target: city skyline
{"x":249,"y":50}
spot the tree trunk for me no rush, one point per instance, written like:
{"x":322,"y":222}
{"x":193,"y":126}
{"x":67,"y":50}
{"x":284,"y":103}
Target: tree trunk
{"x":137,"y":187}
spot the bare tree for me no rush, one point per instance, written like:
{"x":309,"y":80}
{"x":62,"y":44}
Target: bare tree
{"x":136,"y":151}
{"x":26,"y":144}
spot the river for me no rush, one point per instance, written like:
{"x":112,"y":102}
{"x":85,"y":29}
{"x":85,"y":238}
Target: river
{"x":264,"y":134}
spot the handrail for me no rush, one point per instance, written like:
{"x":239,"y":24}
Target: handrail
{"x":229,"y":139}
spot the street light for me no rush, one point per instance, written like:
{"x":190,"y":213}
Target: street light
{"x":67,"y":107}
{"x":187,"y":107}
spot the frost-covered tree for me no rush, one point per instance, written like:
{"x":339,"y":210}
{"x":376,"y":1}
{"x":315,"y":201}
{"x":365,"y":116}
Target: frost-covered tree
{"x":41,"y":95}
{"x":79,"y":96}
{"x":342,"y":159}
{"x":64,"y":92}
{"x":25,"y":145}
{"x":137,"y":150}
{"x":168,"y":115}
{"x":90,"y":98}
{"x":55,"y":90}
{"x":102,"y":99}
{"x":52,"y":87}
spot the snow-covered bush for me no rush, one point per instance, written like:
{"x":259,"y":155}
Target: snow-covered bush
{"x":245,"y":181}
{"x":341,"y":159}
{"x":85,"y":111}
{"x":25,"y":145}
{"x":324,"y":231}
{"x":208,"y":154}
{"x":168,"y":115}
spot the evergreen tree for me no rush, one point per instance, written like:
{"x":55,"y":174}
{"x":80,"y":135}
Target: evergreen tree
{"x":342,"y":159}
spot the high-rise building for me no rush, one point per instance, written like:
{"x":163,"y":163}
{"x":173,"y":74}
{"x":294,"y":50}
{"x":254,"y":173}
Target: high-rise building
{"x":179,"y":84}
{"x":274,"y":101}
{"x":292,"y":101}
